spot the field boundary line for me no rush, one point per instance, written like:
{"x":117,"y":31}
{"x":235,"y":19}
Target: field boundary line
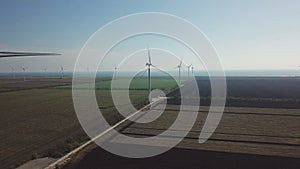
{"x":63,"y":160}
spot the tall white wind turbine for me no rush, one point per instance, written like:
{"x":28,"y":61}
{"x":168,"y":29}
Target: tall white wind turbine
{"x":61,"y":72}
{"x":149,"y":64}
{"x":189,"y":67}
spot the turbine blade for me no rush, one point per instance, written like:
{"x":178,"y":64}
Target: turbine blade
{"x":146,"y":69}
{"x":149,"y":54}
{"x":160,"y":69}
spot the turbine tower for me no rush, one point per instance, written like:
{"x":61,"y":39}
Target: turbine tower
{"x":61,"y":72}
{"x":149,"y":64}
{"x":114,"y":73}
{"x":192,"y":70}
{"x":13,"y":72}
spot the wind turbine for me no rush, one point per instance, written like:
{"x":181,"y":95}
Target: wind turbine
{"x":24,"y":70}
{"x":189,"y":66}
{"x":45,"y":71}
{"x":149,"y":64}
{"x":61,"y":72}
{"x":179,"y":68}
{"x":148,"y":69}
{"x":192,"y":70}
{"x":114,"y":73}
{"x":13,"y":71}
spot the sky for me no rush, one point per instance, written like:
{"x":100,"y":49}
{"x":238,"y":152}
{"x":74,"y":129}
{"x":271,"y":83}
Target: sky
{"x":248,"y":35}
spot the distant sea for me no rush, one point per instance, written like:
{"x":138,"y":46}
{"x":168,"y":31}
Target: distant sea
{"x":230,"y":73}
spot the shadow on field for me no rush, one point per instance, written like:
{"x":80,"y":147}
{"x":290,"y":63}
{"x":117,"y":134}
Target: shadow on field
{"x":184,"y":158}
{"x":260,"y":92}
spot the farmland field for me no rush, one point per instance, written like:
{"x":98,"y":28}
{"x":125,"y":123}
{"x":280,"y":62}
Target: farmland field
{"x":163,"y":83}
{"x":38,"y":118}
{"x":42,"y":122}
{"x":247,"y":136}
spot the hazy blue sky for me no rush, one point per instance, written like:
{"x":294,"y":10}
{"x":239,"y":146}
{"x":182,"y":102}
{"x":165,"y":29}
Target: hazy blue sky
{"x":256,"y":34}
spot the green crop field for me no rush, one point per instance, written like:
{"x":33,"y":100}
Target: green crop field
{"x":163,"y":83}
{"x":42,"y":122}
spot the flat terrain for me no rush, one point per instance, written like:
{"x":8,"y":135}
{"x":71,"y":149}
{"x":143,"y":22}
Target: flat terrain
{"x":42,"y":122}
{"x":10,"y":84}
{"x":179,"y":158}
{"x":264,"y":92}
{"x":261,"y":123}
{"x":140,"y":83}
{"x":245,"y":138}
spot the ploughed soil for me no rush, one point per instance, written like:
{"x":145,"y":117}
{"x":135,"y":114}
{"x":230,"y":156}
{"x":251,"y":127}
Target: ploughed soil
{"x":178,"y":158}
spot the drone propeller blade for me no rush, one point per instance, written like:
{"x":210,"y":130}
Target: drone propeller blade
{"x":22,"y":54}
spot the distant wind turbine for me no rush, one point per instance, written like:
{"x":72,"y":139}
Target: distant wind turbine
{"x":189,"y":66}
{"x":13,"y":71}
{"x":179,"y":69}
{"x":115,"y":70}
{"x":24,"y":71}
{"x":192,"y":70}
{"x":45,"y":71}
{"x":61,"y":72}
